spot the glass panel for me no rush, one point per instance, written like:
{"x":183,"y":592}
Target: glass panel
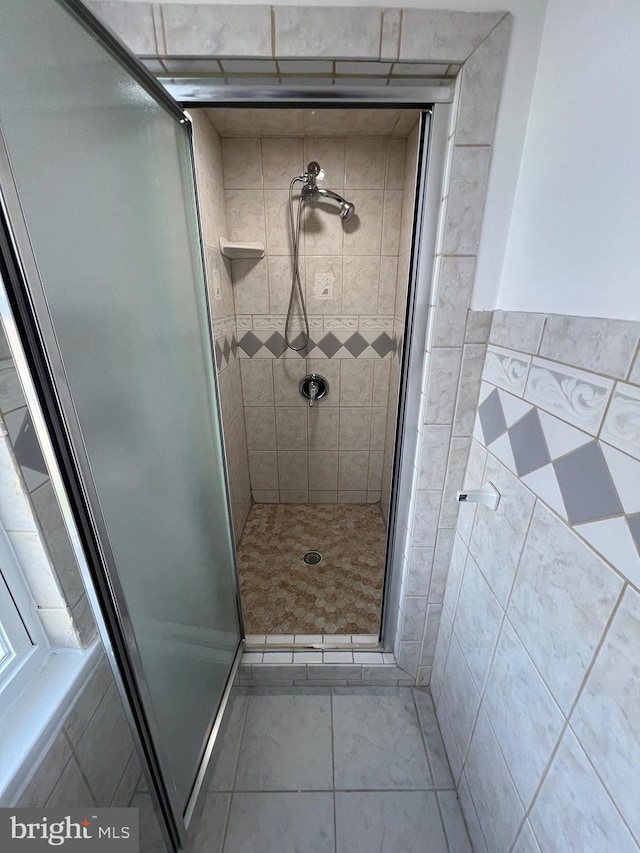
{"x":104,"y":177}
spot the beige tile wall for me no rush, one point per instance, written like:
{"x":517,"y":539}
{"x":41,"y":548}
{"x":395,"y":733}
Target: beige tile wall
{"x":213,"y":210}
{"x":335,"y":451}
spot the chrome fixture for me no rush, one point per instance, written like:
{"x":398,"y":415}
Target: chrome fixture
{"x":311,"y":193}
{"x":313,"y":387}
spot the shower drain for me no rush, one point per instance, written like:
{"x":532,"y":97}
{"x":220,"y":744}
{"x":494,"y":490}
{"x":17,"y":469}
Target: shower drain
{"x":312,"y":558}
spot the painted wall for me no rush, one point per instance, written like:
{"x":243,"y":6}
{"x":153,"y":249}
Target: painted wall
{"x":535,"y":673}
{"x":573,"y":245}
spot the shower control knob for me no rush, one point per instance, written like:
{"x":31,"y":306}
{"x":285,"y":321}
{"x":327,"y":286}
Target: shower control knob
{"x":313,"y":387}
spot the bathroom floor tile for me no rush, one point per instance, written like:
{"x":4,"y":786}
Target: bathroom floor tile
{"x":388,"y":822}
{"x":286,"y":743}
{"x":341,"y":595}
{"x":377,"y":740}
{"x":281,"y":823}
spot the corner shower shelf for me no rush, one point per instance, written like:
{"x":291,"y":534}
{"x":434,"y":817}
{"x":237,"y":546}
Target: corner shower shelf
{"x":235,"y":250}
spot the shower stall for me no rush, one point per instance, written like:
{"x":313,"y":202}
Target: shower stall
{"x":309,"y":344}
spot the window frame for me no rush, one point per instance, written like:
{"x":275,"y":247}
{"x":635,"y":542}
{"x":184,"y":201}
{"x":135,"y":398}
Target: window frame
{"x":21,"y":630}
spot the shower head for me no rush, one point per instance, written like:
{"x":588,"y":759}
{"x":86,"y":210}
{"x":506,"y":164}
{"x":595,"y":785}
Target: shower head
{"x":346,"y":210}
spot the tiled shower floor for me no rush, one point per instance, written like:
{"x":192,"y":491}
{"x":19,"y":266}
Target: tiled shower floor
{"x":281,"y":594}
{"x":341,"y":770}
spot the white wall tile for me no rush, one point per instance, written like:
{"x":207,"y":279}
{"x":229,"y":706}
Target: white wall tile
{"x":526,"y":720}
{"x":604,"y":346}
{"x":562,"y":598}
{"x":477,"y":622}
{"x":460,"y":697}
{"x":517,"y":330}
{"x":221,"y":30}
{"x":442,"y":35}
{"x":606,"y":716}
{"x":573,"y":810}
{"x":465,"y":204}
{"x":497,"y":804}
{"x":497,"y":537}
{"x":338,"y":33}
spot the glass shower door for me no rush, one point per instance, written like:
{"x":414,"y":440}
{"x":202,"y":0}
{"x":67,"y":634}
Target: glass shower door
{"x":99,"y":171}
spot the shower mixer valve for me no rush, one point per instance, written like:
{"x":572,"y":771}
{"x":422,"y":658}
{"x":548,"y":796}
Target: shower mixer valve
{"x":313,"y":387}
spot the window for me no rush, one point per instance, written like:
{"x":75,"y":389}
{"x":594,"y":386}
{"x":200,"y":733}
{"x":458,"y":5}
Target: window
{"x":23,"y":644}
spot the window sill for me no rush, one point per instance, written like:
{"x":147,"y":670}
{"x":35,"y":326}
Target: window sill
{"x":36,"y":714}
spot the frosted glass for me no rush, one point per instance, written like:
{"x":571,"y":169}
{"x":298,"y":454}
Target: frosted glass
{"x":104,"y":177}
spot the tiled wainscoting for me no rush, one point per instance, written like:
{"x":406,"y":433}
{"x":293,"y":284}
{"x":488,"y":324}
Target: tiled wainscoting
{"x":535,"y":676}
{"x":90,"y":760}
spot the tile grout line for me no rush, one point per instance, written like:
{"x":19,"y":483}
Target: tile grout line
{"x":333,"y":775}
{"x":566,"y":725}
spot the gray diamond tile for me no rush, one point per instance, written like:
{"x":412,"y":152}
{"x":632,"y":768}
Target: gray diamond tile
{"x":634,"y":526}
{"x":492,"y":417}
{"x":383,"y":345}
{"x":250,"y":343}
{"x":27,"y":448}
{"x":298,"y":341}
{"x":329,"y":345}
{"x":356,"y":344}
{"x":234,"y":345}
{"x":226,"y":350}
{"x":586,"y":485}
{"x":276,"y":344}
{"x":218,"y":352}
{"x":528,"y":444}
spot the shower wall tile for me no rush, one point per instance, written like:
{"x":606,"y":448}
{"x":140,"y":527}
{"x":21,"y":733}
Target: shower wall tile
{"x":241,"y":163}
{"x":282,"y":159}
{"x":465,"y":204}
{"x":363,"y":233}
{"x":330,"y":153}
{"x":518,"y":330}
{"x":365,"y":163}
{"x":443,"y":36}
{"x":334,"y":33}
{"x":480,"y":89}
{"x":221,"y":31}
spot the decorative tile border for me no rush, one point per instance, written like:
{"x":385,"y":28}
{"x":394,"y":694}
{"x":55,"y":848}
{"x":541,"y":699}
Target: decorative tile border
{"x":506,"y":369}
{"x":571,"y":394}
{"x":339,"y":344}
{"x":622,"y":423}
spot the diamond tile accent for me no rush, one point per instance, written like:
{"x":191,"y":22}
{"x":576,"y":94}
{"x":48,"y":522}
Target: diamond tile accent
{"x":383,"y":345}
{"x":276,"y":344}
{"x":250,"y":343}
{"x":234,"y":346}
{"x":586,"y":485}
{"x":27,"y":448}
{"x":356,"y":344}
{"x":528,"y":444}
{"x":329,"y":345}
{"x":492,"y":417}
{"x":218,"y":351}
{"x":634,"y":526}
{"x":226,"y":350}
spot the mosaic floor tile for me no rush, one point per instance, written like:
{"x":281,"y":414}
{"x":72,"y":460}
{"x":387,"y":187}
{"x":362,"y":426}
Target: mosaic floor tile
{"x":282,"y":594}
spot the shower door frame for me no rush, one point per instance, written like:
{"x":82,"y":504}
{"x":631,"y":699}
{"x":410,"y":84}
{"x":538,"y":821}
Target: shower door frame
{"x":436,"y":110}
